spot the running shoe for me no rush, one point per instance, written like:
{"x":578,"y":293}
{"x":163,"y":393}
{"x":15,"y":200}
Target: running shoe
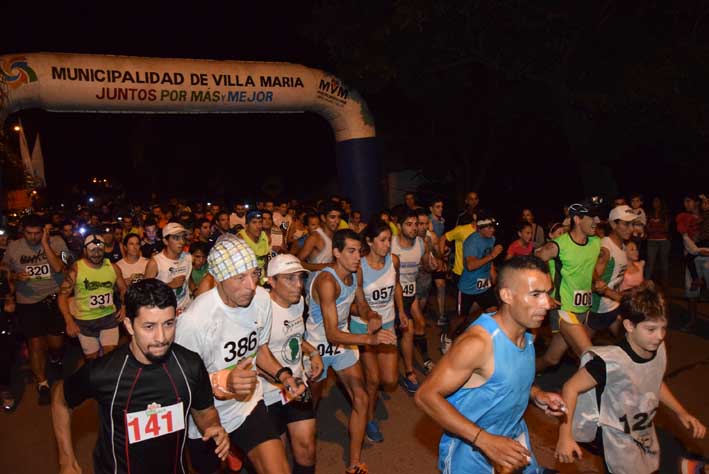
{"x":445,"y":343}
{"x":692,"y":466}
{"x":442,"y":321}
{"x":410,"y":385}
{"x":373,"y":433}
{"x":43,"y":391}
{"x":428,"y":366}
{"x":8,"y":401}
{"x":359,"y":468}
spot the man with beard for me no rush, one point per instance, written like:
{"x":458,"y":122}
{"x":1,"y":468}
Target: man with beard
{"x":229,"y":327}
{"x":36,"y":268}
{"x":238,"y":217}
{"x":145,"y":390}
{"x":93,"y":280}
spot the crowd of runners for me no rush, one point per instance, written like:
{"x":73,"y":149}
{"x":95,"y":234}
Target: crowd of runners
{"x":208,"y":333}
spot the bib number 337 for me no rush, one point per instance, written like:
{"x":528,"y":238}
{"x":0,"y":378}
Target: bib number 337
{"x":154,"y":422}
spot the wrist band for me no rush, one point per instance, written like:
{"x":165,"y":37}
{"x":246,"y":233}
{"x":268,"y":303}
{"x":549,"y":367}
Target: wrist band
{"x":313,"y":354}
{"x":475,"y":438}
{"x":280,"y":372}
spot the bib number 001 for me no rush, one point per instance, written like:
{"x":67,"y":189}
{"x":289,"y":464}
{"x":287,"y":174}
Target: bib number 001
{"x":582,"y":298}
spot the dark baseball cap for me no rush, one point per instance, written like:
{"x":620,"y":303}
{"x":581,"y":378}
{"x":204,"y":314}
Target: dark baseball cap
{"x":584,"y":208}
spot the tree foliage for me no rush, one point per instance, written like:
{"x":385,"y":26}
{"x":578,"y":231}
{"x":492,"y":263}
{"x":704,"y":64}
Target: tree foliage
{"x":607,"y":76}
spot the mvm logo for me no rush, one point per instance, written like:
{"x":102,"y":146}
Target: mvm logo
{"x":334,"y":87}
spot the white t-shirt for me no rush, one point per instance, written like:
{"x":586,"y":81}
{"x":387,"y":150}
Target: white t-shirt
{"x":223,"y":336}
{"x":285,"y":344}
{"x":279,"y":219}
{"x":133,"y":272}
{"x":169,"y":269}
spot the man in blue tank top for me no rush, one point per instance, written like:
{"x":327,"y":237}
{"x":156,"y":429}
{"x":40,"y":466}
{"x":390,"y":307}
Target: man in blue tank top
{"x":479,"y":390}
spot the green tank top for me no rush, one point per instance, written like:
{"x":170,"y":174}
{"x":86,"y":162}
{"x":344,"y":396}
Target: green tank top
{"x":93,"y":290}
{"x":260,"y":248}
{"x":572,"y":272}
{"x":197,"y":274}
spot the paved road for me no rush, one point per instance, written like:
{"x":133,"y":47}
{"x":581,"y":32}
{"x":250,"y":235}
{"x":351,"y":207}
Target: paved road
{"x":410,"y":446}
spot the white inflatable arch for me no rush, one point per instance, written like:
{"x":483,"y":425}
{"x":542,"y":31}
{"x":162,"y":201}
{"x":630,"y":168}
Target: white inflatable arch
{"x":60,"y":82}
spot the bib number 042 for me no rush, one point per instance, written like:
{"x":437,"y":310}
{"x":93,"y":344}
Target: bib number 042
{"x":328,"y":349}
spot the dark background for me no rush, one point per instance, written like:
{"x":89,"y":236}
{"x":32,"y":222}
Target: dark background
{"x":530,"y":104}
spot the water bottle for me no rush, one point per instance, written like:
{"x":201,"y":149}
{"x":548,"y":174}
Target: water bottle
{"x":307,"y":367}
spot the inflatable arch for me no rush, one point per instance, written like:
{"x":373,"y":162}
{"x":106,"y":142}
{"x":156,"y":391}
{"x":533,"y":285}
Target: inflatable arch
{"x":97,"y":83}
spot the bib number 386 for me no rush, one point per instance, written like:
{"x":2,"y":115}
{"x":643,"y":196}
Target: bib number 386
{"x":154,"y":422}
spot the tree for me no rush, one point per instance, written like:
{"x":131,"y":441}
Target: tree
{"x":609,"y":76}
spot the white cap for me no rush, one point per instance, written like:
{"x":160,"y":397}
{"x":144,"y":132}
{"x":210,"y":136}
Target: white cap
{"x":623,"y":213}
{"x":173,"y":228}
{"x":283,"y":264}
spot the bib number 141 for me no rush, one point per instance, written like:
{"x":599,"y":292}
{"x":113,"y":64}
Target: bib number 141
{"x":154,"y":422}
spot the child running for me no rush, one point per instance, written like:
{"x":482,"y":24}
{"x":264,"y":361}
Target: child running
{"x":615,"y":394}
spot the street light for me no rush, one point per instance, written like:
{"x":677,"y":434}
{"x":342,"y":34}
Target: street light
{"x":17,"y":128}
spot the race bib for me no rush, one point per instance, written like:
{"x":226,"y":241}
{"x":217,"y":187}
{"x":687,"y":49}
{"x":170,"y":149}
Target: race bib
{"x":482,"y":283}
{"x":246,"y":346}
{"x":380,"y":296}
{"x":329,"y":349}
{"x":38,"y":272}
{"x":582,"y":298}
{"x":154,"y":422}
{"x":409,"y":288}
{"x":100,"y":301}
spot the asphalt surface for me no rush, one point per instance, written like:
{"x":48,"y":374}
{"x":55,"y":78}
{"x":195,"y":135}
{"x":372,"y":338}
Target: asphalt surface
{"x":27,"y":444}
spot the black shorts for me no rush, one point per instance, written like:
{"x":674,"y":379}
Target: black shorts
{"x":283,"y":415}
{"x":601,"y":321}
{"x":40,"y":319}
{"x":408,"y":302}
{"x":439,"y":275}
{"x":257,"y":428}
{"x":484,"y":300}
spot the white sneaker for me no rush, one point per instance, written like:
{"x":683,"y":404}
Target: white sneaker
{"x":428,"y":366}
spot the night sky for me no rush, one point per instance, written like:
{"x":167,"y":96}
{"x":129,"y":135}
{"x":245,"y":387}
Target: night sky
{"x":532,"y":154}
